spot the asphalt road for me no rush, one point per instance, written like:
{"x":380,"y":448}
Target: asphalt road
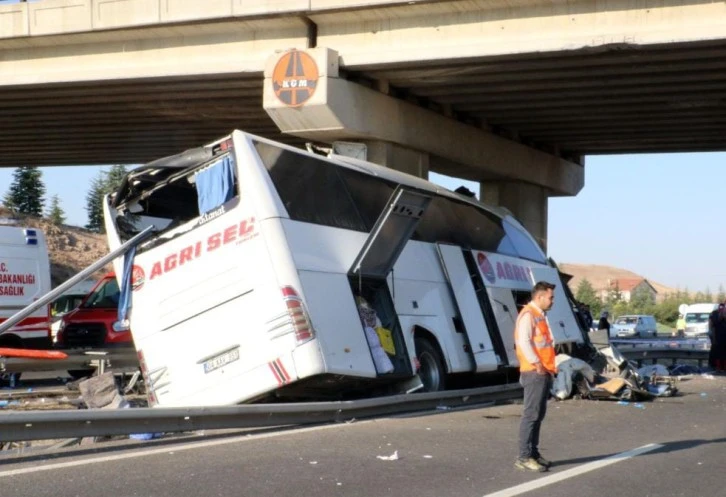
{"x":462,"y":453}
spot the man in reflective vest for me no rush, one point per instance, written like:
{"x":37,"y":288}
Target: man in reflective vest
{"x":536,"y":355}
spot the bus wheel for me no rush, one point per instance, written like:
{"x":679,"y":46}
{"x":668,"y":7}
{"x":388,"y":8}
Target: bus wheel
{"x":431,"y":371}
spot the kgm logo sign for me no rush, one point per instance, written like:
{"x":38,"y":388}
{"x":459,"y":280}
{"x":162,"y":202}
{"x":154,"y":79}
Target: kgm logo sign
{"x":295,"y":78}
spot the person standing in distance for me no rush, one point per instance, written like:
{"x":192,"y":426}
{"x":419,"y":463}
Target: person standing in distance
{"x":536,"y":354}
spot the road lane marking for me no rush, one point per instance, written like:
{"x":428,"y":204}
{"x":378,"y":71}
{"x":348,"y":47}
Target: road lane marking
{"x":168,"y":449}
{"x":578,"y":470}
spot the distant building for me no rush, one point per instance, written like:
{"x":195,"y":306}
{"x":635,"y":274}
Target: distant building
{"x":628,"y":287}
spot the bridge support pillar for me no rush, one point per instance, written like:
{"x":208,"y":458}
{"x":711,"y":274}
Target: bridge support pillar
{"x":527,"y":202}
{"x":397,"y":157}
{"x":306,"y":95}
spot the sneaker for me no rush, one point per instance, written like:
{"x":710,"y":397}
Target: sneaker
{"x":530,"y":464}
{"x":544,"y":462}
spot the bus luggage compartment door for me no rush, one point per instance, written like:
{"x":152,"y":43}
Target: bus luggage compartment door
{"x":390,"y":234}
{"x":467,"y":304}
{"x":560,"y":318}
{"x":368,"y":273}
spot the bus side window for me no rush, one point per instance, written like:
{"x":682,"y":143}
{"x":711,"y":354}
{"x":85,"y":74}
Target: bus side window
{"x":215,"y":184}
{"x":310,"y":188}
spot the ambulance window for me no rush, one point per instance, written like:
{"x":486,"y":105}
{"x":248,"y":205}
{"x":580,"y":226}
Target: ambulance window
{"x":311,"y":189}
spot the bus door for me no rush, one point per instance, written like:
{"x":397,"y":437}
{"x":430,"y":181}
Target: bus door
{"x":368,"y":274}
{"x":560,"y":317}
{"x":469,"y":308}
{"x":505,"y":313}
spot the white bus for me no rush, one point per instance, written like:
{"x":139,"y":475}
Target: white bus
{"x":276,"y":272}
{"x":24,"y":278}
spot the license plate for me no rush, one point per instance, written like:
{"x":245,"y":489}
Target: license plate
{"x":221,"y":360}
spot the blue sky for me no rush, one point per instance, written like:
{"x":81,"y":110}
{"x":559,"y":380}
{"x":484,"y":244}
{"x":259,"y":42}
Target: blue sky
{"x":654,"y":214}
{"x":657,"y":215}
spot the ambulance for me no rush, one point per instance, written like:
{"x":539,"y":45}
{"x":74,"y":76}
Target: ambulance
{"x":277,"y":273}
{"x":24,"y":278}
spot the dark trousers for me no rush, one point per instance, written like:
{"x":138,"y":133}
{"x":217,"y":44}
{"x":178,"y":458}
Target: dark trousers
{"x":536,"y":390}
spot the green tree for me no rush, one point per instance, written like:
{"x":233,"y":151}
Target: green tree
{"x":721,"y":294}
{"x":708,"y":296}
{"x":666,"y":312}
{"x":682,"y":296}
{"x":56,"y":214}
{"x":619,"y":308}
{"x":641,"y":301}
{"x":114,"y":178}
{"x":26,"y":191}
{"x":699,"y":297}
{"x":94,"y":206}
{"x":106,"y":182}
{"x":585,"y":292}
{"x":615,"y":296}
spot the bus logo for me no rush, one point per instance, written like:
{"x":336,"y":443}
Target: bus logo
{"x":486,"y":267}
{"x":295,"y":78}
{"x":138,"y":277}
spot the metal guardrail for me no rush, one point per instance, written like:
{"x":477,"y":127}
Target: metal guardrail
{"x":663,"y":344}
{"x":118,"y":359}
{"x":41,"y":425}
{"x":654,"y":350}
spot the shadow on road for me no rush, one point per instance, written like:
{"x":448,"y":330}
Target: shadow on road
{"x":674,"y":446}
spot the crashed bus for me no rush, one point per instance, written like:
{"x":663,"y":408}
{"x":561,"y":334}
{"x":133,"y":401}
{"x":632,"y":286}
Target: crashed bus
{"x":273,"y":272}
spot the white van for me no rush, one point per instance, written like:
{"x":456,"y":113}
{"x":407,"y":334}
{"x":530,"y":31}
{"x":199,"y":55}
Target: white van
{"x":274,"y":271}
{"x":24,"y":277}
{"x":696,"y":317}
{"x":634,"y":326}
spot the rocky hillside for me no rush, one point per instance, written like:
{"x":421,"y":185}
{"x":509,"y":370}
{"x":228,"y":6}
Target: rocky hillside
{"x":598,"y":276}
{"x":72,"y":249}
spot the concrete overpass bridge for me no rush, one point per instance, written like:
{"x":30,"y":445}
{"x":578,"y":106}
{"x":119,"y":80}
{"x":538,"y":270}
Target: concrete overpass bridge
{"x":512,"y":94}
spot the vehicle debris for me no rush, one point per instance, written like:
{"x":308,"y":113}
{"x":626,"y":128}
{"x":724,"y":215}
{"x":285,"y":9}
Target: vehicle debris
{"x":392,"y":457}
{"x":609,"y":376}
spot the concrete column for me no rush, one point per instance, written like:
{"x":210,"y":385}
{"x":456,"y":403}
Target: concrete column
{"x":306,"y":97}
{"x":399,"y":158}
{"x":526,"y":201}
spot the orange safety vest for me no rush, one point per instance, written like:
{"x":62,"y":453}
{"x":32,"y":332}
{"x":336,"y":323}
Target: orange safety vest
{"x":542,"y":341}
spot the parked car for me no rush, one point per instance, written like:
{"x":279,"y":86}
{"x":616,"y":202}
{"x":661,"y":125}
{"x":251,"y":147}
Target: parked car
{"x":634,"y":326}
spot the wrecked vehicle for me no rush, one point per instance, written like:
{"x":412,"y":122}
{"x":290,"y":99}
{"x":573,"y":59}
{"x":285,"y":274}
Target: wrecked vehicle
{"x":277,"y":272}
{"x":607,"y":375}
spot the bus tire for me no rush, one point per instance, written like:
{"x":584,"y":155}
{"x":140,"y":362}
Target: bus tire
{"x":431,"y":366}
